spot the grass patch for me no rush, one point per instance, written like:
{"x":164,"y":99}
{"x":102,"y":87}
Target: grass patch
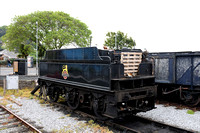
{"x":18,"y":93}
{"x":26,"y":92}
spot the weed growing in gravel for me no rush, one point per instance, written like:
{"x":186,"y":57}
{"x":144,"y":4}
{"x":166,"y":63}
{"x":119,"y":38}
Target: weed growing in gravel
{"x":41,"y":101}
{"x":31,"y":97}
{"x":83,"y":127}
{"x":68,"y":115}
{"x":4,"y":102}
{"x":18,"y":93}
{"x":190,"y":112}
{"x":66,"y":129}
{"x":4,"y":128}
{"x":26,"y":92}
{"x":97,"y":127}
{"x":62,"y":117}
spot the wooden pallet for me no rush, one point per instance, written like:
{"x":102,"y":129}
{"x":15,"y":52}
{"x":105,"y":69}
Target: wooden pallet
{"x":131,"y":61}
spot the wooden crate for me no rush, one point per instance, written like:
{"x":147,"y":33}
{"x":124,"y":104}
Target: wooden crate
{"x":131,"y":61}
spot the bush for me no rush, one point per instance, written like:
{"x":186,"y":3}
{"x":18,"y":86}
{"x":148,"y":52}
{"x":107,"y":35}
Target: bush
{"x":2,"y":62}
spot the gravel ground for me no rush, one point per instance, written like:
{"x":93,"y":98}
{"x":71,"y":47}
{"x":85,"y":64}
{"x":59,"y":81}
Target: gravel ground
{"x":52,"y":119}
{"x":175,"y":117}
{"x":49,"y":117}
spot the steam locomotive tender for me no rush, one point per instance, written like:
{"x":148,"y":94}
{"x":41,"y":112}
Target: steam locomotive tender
{"x":93,"y":78}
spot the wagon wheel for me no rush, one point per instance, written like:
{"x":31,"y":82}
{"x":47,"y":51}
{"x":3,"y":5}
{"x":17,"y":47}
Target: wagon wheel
{"x":43,"y":92}
{"x":54,"y":94}
{"x":72,"y":99}
{"x":192,"y":99}
{"x":99,"y":108}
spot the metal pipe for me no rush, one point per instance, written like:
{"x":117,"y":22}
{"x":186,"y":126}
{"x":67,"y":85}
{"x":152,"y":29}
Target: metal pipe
{"x":170,"y":91}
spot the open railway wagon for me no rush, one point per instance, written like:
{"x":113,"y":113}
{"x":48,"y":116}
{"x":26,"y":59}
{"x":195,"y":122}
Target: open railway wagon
{"x":178,"y":74}
{"x":93,"y":78}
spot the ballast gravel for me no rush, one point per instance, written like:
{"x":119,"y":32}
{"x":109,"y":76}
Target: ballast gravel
{"x":174,"y":117}
{"x":54,"y":120}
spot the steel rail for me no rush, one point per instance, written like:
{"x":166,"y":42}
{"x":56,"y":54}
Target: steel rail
{"x":29,"y":126}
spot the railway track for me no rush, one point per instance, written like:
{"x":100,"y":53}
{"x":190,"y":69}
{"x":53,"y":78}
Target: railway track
{"x":10,"y":122}
{"x":134,"y":124}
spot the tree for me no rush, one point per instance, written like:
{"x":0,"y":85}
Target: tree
{"x":2,"y":30}
{"x":24,"y":50}
{"x":2,"y":33}
{"x":122,"y":40}
{"x":55,"y":30}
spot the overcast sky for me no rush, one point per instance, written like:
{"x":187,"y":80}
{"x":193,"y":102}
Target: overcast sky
{"x":155,"y":25}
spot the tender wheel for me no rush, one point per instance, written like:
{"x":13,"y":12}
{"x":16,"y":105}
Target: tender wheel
{"x":54,"y":94}
{"x":99,"y":108}
{"x":72,"y":99}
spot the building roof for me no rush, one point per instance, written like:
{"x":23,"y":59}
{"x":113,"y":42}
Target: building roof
{"x":9,"y":54}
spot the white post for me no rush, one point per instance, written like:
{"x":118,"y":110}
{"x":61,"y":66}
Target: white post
{"x":37,"y":48}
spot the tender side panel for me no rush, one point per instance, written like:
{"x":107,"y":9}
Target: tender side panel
{"x":92,"y":74}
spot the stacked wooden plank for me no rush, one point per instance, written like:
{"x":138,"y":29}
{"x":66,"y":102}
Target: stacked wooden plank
{"x":131,"y":61}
